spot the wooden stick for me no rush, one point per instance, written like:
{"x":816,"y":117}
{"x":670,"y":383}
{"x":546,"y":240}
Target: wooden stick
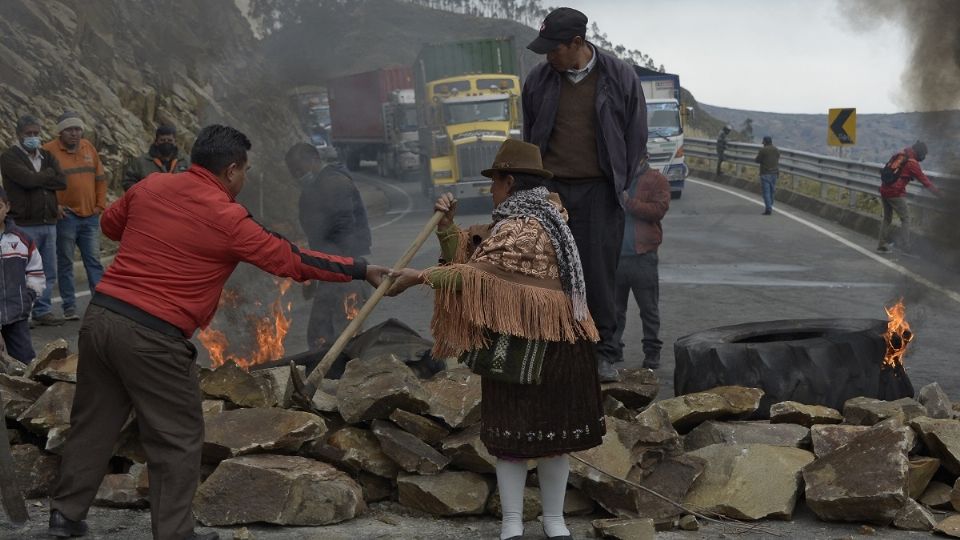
{"x":308,"y":388}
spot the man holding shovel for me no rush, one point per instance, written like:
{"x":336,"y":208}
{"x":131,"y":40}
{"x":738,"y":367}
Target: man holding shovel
{"x":181,"y":236}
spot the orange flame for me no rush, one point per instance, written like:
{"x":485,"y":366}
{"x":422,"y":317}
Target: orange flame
{"x":898,"y":335}
{"x":350,"y":306}
{"x":268,"y":331}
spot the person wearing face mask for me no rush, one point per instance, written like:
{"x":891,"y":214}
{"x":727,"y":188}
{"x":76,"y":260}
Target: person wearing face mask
{"x":32,"y":177}
{"x":893,"y":195}
{"x":163,"y":157}
{"x":586,"y":112}
{"x":334,"y":219}
{"x":80,"y":207}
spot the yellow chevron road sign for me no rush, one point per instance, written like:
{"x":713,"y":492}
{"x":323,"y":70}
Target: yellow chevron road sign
{"x":842,"y":127}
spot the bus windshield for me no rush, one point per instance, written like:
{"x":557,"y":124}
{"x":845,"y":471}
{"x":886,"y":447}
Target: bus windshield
{"x":663,"y":119}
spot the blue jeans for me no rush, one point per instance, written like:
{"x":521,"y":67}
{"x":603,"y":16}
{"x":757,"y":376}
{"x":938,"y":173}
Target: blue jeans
{"x":84,"y":232}
{"x":769,"y":184}
{"x":45,"y":236}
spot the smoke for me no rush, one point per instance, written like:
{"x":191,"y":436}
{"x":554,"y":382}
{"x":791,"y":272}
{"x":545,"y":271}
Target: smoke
{"x":930,"y":82}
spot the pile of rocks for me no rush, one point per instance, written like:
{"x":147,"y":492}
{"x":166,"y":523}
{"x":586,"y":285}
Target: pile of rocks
{"x":381,"y":433}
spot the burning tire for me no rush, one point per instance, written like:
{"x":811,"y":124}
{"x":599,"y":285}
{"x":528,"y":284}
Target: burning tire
{"x":813,"y":361}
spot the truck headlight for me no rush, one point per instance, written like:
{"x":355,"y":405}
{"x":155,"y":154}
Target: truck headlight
{"x":442,"y":174}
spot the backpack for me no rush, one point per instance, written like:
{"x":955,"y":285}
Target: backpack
{"x":891,"y":171}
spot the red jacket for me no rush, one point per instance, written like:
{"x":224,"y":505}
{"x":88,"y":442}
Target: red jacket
{"x":646,"y":203}
{"x":181,"y":235}
{"x":911,"y":171}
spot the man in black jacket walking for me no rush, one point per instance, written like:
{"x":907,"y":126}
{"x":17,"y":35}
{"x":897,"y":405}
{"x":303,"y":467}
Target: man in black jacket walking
{"x":586,"y":111}
{"x":32,"y":176}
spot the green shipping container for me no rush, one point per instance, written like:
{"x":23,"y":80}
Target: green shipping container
{"x":442,"y":60}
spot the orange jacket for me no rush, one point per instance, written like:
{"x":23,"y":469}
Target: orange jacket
{"x":86,"y":192}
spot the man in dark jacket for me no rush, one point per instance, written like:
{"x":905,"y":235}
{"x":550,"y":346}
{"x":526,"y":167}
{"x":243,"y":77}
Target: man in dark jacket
{"x":586,"y":111}
{"x":893,"y":196}
{"x":722,"y":146}
{"x":334,"y":218}
{"x":163,"y":156}
{"x":646,"y":204}
{"x":31,"y":177}
{"x":769,"y":159}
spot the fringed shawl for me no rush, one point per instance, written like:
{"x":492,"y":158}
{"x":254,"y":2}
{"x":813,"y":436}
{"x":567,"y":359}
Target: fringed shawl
{"x":508,"y":282}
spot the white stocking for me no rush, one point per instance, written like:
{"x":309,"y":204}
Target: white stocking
{"x":511,"y":479}
{"x":553,"y":473}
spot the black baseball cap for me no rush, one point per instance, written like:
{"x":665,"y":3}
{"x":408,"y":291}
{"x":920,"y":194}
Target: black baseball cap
{"x":560,"y":26}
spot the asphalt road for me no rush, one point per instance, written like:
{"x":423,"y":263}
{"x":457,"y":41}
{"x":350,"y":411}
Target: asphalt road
{"x":721,"y":263}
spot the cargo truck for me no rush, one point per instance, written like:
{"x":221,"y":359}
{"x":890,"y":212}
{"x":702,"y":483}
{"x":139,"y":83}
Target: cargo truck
{"x":664,"y":126}
{"x":468,"y":102}
{"x":374,"y":117}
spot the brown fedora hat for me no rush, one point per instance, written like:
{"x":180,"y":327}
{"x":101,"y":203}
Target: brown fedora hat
{"x":517,"y":157}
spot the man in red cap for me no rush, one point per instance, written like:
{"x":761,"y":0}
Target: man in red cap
{"x":585,"y":110}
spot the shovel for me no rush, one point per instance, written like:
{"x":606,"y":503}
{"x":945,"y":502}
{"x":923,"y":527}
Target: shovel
{"x":10,"y":494}
{"x":304,"y":390}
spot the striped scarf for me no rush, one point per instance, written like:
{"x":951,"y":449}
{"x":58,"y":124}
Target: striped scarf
{"x":533,"y":203}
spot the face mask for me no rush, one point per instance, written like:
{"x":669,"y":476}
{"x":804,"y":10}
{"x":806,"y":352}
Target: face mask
{"x":31,"y":143}
{"x":167,"y":149}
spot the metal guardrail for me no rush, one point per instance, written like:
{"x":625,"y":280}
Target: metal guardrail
{"x":855,"y":176}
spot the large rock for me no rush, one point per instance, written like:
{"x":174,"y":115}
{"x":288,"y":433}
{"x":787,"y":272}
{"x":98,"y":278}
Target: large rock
{"x":120,"y":491}
{"x":864,"y":480}
{"x":713,"y":432}
{"x":261,"y":430}
{"x":375,"y":488}
{"x":750,"y":481}
{"x":689,"y":410}
{"x":235,"y":385}
{"x":936,"y":401}
{"x":283,"y":490}
{"x":17,"y":394}
{"x":942,"y":438}
{"x":914,"y":517}
{"x":409,"y":452}
{"x":636,"y":389}
{"x":372,"y":389}
{"x":672,"y":478}
{"x":11,"y":366}
{"x":651,"y":436}
{"x":454,"y":397}
{"x":955,"y":495}
{"x":35,"y":470}
{"x":51,"y":410}
{"x":450,"y":493}
{"x":950,"y":526}
{"x":864,"y":411}
{"x":52,"y":356}
{"x":466,"y":451}
{"x":575,"y":503}
{"x":419,"y":426}
{"x":792,"y":412}
{"x":280,"y":383}
{"x":612,"y":407}
{"x":827,"y":438}
{"x":355,"y":449}
{"x":58,"y":368}
{"x":919,"y":475}
{"x":625,"y":529}
{"x":937,"y":495}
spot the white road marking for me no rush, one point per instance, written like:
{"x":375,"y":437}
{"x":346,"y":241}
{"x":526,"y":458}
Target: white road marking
{"x":400,"y":215}
{"x":953,"y":295}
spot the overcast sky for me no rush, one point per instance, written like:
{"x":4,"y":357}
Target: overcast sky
{"x":798,"y":56}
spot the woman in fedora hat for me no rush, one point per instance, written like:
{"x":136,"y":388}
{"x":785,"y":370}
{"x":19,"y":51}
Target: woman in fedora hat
{"x":511,"y":303}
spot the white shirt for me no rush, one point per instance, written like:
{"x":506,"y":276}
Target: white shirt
{"x":575,"y":75}
{"x":35,"y":157}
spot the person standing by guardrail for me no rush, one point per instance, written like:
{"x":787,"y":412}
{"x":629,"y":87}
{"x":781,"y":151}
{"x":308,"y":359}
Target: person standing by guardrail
{"x":901,"y":169}
{"x":722,"y":146}
{"x":769,"y":159}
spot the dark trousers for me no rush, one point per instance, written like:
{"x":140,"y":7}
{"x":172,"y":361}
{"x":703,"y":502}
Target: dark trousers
{"x":328,"y":316}
{"x":596,"y":220}
{"x":126,"y":366}
{"x":639,"y":274}
{"x":16,"y":338}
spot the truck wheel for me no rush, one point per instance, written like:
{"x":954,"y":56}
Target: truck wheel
{"x":813,"y":361}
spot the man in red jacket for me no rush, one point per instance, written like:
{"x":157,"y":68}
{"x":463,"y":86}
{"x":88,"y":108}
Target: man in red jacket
{"x":894,"y":197}
{"x":646,"y":202}
{"x":181,"y":236}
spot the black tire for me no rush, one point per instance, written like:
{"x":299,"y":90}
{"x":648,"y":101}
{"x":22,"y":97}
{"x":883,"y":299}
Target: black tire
{"x":813,"y":361}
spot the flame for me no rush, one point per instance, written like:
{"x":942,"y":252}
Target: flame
{"x":268,"y":331}
{"x":898,"y":335}
{"x":350,"y":306}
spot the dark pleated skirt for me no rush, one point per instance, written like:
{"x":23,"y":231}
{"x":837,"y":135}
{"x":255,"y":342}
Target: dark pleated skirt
{"x":561,"y":414}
